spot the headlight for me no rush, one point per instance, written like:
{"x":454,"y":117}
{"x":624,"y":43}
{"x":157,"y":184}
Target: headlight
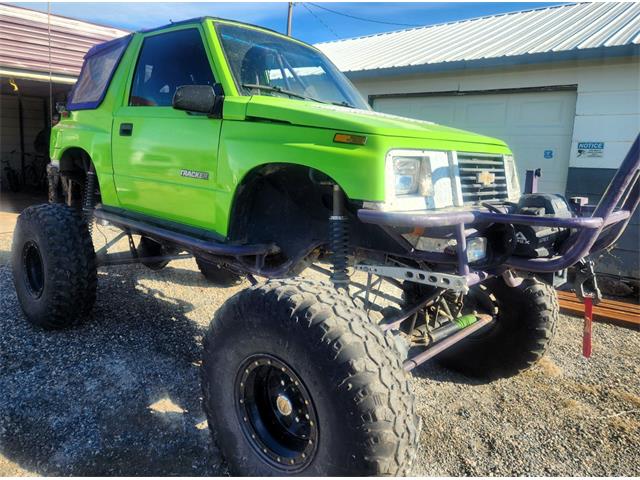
{"x":412,"y":175}
{"x":513,"y":184}
{"x":406,"y":171}
{"x":476,"y":249}
{"x":418,"y":180}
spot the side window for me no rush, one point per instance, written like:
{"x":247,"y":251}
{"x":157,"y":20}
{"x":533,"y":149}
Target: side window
{"x":166,"y":62}
{"x":99,"y":65}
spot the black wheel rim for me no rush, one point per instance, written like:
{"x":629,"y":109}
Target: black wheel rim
{"x":276,"y":413}
{"x":34,"y":268}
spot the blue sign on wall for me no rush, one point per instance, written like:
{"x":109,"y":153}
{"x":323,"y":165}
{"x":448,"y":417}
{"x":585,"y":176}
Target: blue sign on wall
{"x":590,"y":149}
{"x":548,"y":154}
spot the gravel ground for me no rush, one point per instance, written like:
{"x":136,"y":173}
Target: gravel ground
{"x":121,"y":396}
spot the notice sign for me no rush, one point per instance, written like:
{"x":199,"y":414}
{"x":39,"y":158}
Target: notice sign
{"x":590,"y":149}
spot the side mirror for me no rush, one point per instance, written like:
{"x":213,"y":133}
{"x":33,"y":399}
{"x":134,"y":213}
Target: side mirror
{"x":200,"y":99}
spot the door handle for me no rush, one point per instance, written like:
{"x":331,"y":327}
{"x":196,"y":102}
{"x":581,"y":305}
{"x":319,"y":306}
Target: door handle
{"x":126,"y":129}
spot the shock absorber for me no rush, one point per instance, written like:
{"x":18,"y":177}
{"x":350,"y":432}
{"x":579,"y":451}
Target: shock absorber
{"x":89,"y":197}
{"x":339,"y":240}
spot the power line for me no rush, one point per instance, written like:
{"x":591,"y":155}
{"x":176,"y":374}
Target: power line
{"x":361,"y":18}
{"x":320,"y":20}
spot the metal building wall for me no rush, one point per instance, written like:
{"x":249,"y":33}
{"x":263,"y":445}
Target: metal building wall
{"x":564,"y":31}
{"x":25,"y":41}
{"x":607,"y":110}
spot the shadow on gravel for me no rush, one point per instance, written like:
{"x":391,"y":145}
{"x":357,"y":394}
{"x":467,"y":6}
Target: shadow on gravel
{"x":77,"y":402}
{"x":433,"y":371}
{"x":180,"y":276}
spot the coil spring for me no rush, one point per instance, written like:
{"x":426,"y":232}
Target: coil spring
{"x":339,"y":246}
{"x":89,"y":199}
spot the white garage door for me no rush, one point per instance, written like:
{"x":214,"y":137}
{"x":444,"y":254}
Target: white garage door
{"x":537,"y":125}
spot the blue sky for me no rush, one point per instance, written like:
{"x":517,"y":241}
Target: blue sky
{"x":310,"y":22}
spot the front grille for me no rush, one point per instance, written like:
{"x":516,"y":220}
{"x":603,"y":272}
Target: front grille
{"x":475,"y":178}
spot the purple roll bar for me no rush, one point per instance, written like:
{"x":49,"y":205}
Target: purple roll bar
{"x":593,"y":234}
{"x":471,"y":217}
{"x":430,"y":352}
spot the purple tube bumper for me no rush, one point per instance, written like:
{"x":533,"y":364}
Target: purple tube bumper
{"x":593,"y":234}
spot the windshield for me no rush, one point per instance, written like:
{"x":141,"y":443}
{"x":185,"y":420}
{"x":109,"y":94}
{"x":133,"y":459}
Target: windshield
{"x":267,"y":64}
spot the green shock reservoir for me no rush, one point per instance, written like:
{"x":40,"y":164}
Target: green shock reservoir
{"x":449,"y":329}
{"x":466,"y":320}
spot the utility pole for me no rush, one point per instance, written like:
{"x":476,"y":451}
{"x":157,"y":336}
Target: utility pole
{"x":289,"y":17}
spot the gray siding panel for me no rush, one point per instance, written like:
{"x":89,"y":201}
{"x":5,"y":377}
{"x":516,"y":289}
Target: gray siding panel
{"x":25,"y":37}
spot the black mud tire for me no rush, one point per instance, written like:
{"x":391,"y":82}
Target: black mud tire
{"x":526,"y":319}
{"x":217,"y":274}
{"x":365,"y":411}
{"x":54,"y":267}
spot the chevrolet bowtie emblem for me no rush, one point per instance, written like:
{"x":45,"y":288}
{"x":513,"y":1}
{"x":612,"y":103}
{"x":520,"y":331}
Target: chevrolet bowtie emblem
{"x":485,"y":178}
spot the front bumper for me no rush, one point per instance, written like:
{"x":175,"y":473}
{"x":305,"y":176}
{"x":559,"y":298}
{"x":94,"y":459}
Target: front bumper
{"x":589,"y":234}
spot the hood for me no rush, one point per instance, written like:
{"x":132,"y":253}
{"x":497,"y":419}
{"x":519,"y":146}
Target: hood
{"x":333,"y":117}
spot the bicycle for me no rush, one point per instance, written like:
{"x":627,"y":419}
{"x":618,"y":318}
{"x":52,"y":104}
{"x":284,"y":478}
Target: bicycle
{"x":11,"y":175}
{"x":35,"y":172}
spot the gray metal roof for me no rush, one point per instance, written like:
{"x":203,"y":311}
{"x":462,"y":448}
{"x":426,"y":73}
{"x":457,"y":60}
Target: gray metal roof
{"x":24,"y":41}
{"x":544,"y":34}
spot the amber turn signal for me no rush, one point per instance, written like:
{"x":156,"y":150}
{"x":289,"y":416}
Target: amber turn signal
{"x":352,"y":139}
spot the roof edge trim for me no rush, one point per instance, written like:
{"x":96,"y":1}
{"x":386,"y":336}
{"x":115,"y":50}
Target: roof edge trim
{"x":528,"y":59}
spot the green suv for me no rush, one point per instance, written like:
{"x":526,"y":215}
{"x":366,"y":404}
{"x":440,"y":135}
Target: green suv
{"x":251,"y":152}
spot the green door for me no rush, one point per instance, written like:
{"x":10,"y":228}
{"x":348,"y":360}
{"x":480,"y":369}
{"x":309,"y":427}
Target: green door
{"x":164,"y":160}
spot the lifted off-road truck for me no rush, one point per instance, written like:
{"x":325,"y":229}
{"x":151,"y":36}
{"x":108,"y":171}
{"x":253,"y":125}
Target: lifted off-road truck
{"x":250,"y":151}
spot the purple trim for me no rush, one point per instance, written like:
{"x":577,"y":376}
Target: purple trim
{"x":461,"y":250}
{"x":434,"y":257}
{"x":531,"y":181}
{"x":616,"y":217}
{"x":624,"y":187}
{"x":195,"y":21}
{"x":613,"y":234}
{"x":432,"y":351}
{"x":474,"y":278}
{"x":470,"y":217}
{"x":193,"y":243}
{"x":96,"y":49}
{"x":395,"y":322}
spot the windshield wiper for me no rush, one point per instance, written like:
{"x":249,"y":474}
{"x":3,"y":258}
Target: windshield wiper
{"x":271,"y":88}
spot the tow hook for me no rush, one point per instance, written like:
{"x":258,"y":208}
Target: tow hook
{"x":585,"y":275}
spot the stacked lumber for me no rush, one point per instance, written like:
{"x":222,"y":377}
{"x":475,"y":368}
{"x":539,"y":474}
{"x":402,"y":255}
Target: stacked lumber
{"x":610,"y":311}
